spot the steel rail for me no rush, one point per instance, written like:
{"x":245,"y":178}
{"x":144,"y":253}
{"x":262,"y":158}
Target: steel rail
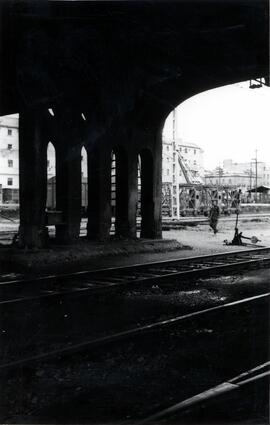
{"x":130,"y":333}
{"x":117,"y":277}
{"x":132,"y":267}
{"x":233,"y":384}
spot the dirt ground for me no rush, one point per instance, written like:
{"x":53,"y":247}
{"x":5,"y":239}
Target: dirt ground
{"x":192,"y":241}
{"x":203,"y":240}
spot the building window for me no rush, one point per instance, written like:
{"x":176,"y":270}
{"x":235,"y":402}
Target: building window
{"x":10,"y":163}
{"x":167,"y":148}
{"x":173,"y":168}
{"x":173,"y":178}
{"x":195,"y":151}
{"x":9,"y":146}
{"x":168,"y":171}
{"x":168,"y":159}
{"x":194,"y":162}
{"x":174,"y":157}
{"x":10,"y":181}
{"x":174,"y":190}
{"x":186,"y":151}
{"x":180,"y":149}
{"x":48,"y":163}
{"x":9,"y":132}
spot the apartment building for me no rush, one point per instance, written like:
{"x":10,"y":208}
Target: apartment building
{"x":9,"y":159}
{"x":192,"y":158}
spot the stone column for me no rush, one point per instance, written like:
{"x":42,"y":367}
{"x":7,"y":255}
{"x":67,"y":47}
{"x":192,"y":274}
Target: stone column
{"x":68,"y":179}
{"x":151,"y":185}
{"x":132,"y":196}
{"x":99,"y":193}
{"x":147,"y":202}
{"x":33,"y":179}
{"x":157,"y":186}
{"x":121,"y":181}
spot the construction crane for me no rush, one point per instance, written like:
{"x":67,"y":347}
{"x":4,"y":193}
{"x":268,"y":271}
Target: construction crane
{"x":188,"y":173}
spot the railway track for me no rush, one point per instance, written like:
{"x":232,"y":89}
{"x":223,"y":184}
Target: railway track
{"x":172,"y":271}
{"x":130,"y":333}
{"x":213,"y":314}
{"x":260,"y":372}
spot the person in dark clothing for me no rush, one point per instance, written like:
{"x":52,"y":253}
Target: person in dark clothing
{"x":213,"y":216}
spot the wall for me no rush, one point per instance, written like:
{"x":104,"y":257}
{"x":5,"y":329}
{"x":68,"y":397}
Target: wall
{"x":9,"y":152}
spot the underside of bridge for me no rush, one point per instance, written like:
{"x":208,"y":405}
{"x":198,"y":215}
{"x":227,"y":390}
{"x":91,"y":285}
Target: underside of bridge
{"x":111,"y":72}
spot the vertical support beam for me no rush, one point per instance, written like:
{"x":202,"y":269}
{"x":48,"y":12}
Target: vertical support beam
{"x":68,"y":182}
{"x":151,"y":186}
{"x":132,"y":194}
{"x":33,"y":179}
{"x":126,"y":194}
{"x":99,"y":194}
{"x":157,"y":186}
{"x":122,"y":177}
{"x":147,"y":201}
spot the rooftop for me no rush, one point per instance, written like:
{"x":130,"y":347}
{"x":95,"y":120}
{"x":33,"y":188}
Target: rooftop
{"x":181,"y":143}
{"x":9,"y":121}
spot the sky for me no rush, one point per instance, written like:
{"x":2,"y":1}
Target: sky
{"x":230,"y":122}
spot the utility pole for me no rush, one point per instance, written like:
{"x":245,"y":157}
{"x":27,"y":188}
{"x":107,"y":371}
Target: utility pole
{"x":174,"y":125}
{"x":220,"y":173}
{"x":256,"y":175}
{"x":250,"y":175}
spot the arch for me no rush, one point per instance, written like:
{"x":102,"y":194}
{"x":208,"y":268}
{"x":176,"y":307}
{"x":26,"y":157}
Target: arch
{"x":51,"y":177}
{"x":147,"y":194}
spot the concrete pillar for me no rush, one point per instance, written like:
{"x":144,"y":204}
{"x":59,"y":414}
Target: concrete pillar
{"x":122,"y":180}
{"x":68,"y":180}
{"x":126,"y":194}
{"x":99,"y":194}
{"x":147,"y":201}
{"x":151,"y":186}
{"x":157,"y":185}
{"x":132,"y":194}
{"x":33,"y":179}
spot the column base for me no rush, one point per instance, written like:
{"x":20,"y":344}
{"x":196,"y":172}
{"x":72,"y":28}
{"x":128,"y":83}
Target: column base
{"x":96,"y":234}
{"x":33,"y":236}
{"x":67,"y":234}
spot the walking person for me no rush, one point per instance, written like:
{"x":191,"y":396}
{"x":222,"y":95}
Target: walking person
{"x":213,"y":216}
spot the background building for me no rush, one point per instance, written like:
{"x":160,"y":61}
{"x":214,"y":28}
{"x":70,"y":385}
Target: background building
{"x":191,"y":154}
{"x":219,"y":177}
{"x":245,"y":175}
{"x":9,"y":159}
{"x":263,"y":171}
{"x":182,"y":164}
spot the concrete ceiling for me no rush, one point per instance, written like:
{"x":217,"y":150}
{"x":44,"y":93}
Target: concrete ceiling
{"x":117,"y":57}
